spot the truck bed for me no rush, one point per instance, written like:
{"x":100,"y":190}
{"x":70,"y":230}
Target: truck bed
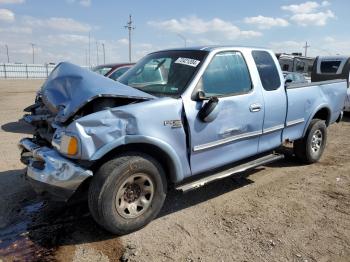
{"x":304,"y":100}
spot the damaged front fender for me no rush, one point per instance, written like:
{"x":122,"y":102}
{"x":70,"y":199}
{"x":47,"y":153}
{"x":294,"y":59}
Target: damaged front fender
{"x":140,"y":123}
{"x":97,"y":130}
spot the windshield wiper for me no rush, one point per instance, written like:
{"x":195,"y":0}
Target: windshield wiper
{"x":160,"y":64}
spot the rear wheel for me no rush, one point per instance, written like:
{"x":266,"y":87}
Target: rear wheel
{"x":310,"y":148}
{"x":127,"y":193}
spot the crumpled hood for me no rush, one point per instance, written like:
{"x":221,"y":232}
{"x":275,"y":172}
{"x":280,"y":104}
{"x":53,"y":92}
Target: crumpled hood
{"x":69,"y":87}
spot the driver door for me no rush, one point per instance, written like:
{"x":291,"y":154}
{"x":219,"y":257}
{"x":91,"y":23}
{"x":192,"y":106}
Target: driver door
{"x":235,"y":131}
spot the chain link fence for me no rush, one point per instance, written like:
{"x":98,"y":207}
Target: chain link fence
{"x":25,"y":71}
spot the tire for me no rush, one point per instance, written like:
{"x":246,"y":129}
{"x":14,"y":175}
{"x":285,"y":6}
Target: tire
{"x":310,"y":148}
{"x":127,"y":193}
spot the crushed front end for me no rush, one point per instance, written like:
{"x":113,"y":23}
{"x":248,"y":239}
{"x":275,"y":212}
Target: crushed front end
{"x":53,"y":156}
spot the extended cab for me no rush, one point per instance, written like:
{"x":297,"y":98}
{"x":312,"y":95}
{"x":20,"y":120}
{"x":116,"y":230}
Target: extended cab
{"x":217,"y":111}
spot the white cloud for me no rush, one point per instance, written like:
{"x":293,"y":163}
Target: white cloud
{"x":55,"y":39}
{"x":58,"y":23}
{"x":67,"y":24}
{"x":28,"y":50}
{"x":335,"y":46}
{"x":214,"y":28}
{"x":326,"y":46}
{"x":317,"y":19}
{"x":303,"y":8}
{"x":310,"y":13}
{"x":264,"y":22}
{"x":85,"y":3}
{"x":12,"y":1}
{"x":329,"y":39}
{"x":288,"y":46}
{"x":16,"y":30}
{"x":143,"y":49}
{"x":145,"y":46}
{"x":325,"y":3}
{"x":68,"y":39}
{"x":195,"y":25}
{"x":7,"y":15}
{"x":250,"y":34}
{"x":123,"y":41}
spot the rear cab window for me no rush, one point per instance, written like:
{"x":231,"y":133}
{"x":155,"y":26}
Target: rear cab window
{"x":267,"y":69}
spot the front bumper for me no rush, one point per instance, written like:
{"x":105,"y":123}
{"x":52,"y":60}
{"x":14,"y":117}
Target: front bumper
{"x":49,"y":172}
{"x":34,"y":119}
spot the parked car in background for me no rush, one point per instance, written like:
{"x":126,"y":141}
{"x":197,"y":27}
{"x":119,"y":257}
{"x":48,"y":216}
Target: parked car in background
{"x":113,"y":71}
{"x":294,"y":78}
{"x":168,"y":123}
{"x":331,"y":68}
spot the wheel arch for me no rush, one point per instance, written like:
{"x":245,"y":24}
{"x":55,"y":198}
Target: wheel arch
{"x":159,"y":150}
{"x":323,"y":112}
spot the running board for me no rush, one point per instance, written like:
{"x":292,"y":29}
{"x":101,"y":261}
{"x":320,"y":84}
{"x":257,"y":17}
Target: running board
{"x":229,"y":172}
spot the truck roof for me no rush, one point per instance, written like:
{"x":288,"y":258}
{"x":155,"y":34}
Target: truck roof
{"x":211,"y":48}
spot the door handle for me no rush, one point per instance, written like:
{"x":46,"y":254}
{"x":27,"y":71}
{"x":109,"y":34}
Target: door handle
{"x":255,"y":108}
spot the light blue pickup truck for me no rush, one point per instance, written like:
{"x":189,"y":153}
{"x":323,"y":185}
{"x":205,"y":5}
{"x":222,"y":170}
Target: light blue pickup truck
{"x":179,"y":118}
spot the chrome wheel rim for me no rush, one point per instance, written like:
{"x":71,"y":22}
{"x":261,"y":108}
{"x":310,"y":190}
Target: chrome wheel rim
{"x":316,"y":141}
{"x":135,"y":196}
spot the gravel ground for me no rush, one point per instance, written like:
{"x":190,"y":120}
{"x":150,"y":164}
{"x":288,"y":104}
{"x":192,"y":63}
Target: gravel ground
{"x":281,"y":212}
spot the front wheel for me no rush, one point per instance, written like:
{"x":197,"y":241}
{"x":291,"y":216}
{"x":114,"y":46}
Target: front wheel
{"x":127,"y":193}
{"x":310,"y":148}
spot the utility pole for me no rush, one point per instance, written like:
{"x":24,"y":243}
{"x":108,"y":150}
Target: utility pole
{"x":32,"y":50}
{"x":104,"y":54}
{"x":97,"y":62}
{"x":89,"y":52}
{"x":183,"y":38}
{"x":7,"y":52}
{"x":306,"y":47}
{"x":129,"y":27}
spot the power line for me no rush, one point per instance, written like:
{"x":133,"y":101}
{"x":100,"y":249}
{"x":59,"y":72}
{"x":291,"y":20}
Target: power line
{"x":306,"y":47}
{"x":7,"y":52}
{"x":89,"y":51}
{"x":129,"y":27}
{"x":32,"y":44}
{"x":104,"y":54}
{"x":97,"y":58}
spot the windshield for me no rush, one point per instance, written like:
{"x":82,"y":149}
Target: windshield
{"x":164,"y":73}
{"x":102,"y":70}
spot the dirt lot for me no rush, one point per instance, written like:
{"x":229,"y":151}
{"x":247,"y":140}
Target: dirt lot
{"x":281,"y":212}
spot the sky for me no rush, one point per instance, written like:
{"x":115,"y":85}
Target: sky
{"x":60,"y":29}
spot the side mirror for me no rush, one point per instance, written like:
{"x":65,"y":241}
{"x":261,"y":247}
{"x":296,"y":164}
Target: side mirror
{"x":209,"y":111}
{"x":201,"y":96}
{"x":287,"y":82}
